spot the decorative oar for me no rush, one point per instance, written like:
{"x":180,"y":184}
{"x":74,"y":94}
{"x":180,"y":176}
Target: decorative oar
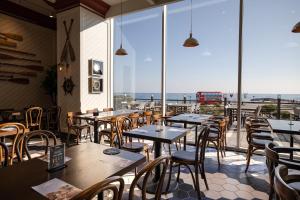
{"x":23,"y":81}
{"x":64,"y":53}
{"x":13,"y":36}
{"x":31,"y":74}
{"x":31,"y":67}
{"x":17,"y":52}
{"x":4,"y":42}
{"x":9,"y":57}
{"x":6,"y":76}
{"x":70,"y":47}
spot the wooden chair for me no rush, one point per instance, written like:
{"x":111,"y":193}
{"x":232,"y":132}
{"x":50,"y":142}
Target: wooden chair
{"x":28,"y":143}
{"x":19,"y":130}
{"x":273,"y":159}
{"x":146,"y":172}
{"x":102,"y":186}
{"x":284,"y":184}
{"x":146,"y":118}
{"x":107,"y":109}
{"x":76,"y":126}
{"x":125,"y":124}
{"x":53,"y":119}
{"x":196,"y":159}
{"x":3,"y":156}
{"x":33,"y":118}
{"x":109,"y":131}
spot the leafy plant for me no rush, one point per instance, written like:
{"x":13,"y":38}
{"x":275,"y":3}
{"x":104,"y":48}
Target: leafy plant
{"x":49,"y":84}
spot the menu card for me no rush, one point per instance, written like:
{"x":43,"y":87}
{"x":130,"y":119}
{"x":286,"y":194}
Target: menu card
{"x":57,"y":189}
{"x":56,"y":157}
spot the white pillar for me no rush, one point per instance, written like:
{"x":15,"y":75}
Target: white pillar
{"x":163,"y":68}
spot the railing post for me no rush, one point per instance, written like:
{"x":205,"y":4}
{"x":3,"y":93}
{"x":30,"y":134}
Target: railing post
{"x":225,"y":104}
{"x":152,"y":98}
{"x":278,"y":106}
{"x":184,"y":99}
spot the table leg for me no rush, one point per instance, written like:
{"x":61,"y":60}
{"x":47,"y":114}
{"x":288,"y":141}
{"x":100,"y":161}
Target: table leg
{"x":96,"y":133}
{"x":184,"y":138}
{"x":157,"y":153}
{"x":291,"y":145}
{"x":196,"y":134}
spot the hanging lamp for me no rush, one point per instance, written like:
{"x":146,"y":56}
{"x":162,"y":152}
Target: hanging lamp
{"x":191,"y":42}
{"x":121,"y":51}
{"x":296,"y":28}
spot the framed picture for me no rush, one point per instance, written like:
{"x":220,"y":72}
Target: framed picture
{"x":95,"y":67}
{"x":95,"y":85}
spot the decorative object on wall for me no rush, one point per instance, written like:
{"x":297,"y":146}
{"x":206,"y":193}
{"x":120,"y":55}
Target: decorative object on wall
{"x":12,"y":36}
{"x":4,"y":42}
{"x":95,"y":67}
{"x":31,"y":67}
{"x":121,"y":51}
{"x":30,"y":74}
{"x":68,"y":85}
{"x":23,"y":81}
{"x":9,"y":57}
{"x":68,"y":48}
{"x":17,"y":52}
{"x":95,"y":85}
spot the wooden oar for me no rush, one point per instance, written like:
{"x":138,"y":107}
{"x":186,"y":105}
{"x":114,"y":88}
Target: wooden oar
{"x":31,"y":67}
{"x":23,"y":81}
{"x":6,"y":43}
{"x":13,"y":36}
{"x":31,"y":74}
{"x":17,"y":51}
{"x":9,"y":57}
{"x":6,"y":76}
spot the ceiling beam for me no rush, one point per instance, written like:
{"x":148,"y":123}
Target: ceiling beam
{"x":20,"y":12}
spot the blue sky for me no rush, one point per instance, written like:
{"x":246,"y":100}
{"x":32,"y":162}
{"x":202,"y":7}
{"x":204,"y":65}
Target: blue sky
{"x":271,"y":52}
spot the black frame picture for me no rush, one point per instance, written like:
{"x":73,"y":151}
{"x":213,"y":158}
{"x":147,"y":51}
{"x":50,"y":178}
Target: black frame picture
{"x":95,"y":85}
{"x":95,"y":67}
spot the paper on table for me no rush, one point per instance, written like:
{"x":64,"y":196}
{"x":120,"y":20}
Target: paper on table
{"x":57,"y":189}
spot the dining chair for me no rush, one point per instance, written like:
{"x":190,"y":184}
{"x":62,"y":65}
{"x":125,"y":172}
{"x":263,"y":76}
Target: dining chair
{"x":53,"y":119}
{"x":108,"y":184}
{"x":3,"y":154}
{"x":75,"y":127}
{"x":109,"y":130}
{"x":145,"y":174}
{"x":195,"y":158}
{"x":274,"y":158}
{"x":285,"y":183}
{"x":146,"y":118}
{"x":33,"y":118}
{"x":18,"y":130}
{"x":107,"y":109}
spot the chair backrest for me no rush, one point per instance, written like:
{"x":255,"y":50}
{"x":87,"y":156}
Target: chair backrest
{"x":3,"y":155}
{"x":107,"y":109}
{"x":33,"y":117}
{"x":53,"y":118}
{"x":123,"y":124}
{"x":134,"y":117}
{"x":201,"y":144}
{"x":70,"y":118}
{"x":271,"y":161}
{"x":147,"y":117}
{"x":156,"y":118}
{"x":281,"y":181}
{"x":94,"y":190}
{"x":147,"y":170}
{"x":43,"y":135}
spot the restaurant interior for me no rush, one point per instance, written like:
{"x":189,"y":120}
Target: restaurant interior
{"x":67,"y":132}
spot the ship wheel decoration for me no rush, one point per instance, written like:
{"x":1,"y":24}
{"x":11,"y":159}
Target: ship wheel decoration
{"x":68,"y":85}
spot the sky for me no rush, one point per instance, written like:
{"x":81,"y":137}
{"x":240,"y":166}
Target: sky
{"x":271,"y":52}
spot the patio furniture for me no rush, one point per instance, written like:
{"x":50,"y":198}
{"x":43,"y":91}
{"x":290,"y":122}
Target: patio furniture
{"x":33,"y":118}
{"x":3,"y":154}
{"x":109,"y":131}
{"x":158,"y":134}
{"x":145,"y":173}
{"x":286,"y":183}
{"x":274,"y":157}
{"x":87,"y":158}
{"x":75,"y":127}
{"x":53,"y":118}
{"x":98,"y":188}
{"x":195,"y":159}
{"x":296,"y":113}
{"x":107,"y":109}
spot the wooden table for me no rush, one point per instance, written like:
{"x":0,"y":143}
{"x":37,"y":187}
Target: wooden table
{"x":102,"y":116}
{"x":87,"y":167}
{"x":188,"y":118}
{"x":158,"y":134}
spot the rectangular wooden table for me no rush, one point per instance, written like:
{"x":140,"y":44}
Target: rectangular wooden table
{"x":189,"y":118}
{"x":102,"y":116}
{"x":158,"y":134}
{"x":88,"y":166}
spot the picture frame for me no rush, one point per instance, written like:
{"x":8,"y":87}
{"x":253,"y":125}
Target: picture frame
{"x":95,"y":67}
{"x":95,"y":85}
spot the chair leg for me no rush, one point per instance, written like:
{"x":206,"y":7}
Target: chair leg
{"x":250,"y":150}
{"x":148,"y":157}
{"x":170,"y":175}
{"x":197,"y":186}
{"x":178,"y":173}
{"x":169,"y":145}
{"x":271,"y":192}
{"x":203,"y":176}
{"x":68,"y":138}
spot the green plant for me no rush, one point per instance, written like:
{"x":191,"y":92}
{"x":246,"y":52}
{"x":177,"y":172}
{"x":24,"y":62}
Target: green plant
{"x":285,"y":115}
{"x":49,"y":84}
{"x":268,"y":109}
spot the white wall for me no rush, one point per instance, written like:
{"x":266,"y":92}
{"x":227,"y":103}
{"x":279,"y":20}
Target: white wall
{"x":38,"y":40}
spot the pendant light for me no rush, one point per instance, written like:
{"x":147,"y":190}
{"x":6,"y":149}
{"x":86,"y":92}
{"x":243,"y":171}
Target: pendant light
{"x":121,"y":51}
{"x":191,"y":42}
{"x":296,"y":28}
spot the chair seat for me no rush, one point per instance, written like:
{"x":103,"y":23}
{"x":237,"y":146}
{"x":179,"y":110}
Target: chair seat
{"x":107,"y":130}
{"x":134,"y":146}
{"x":212,"y":135}
{"x":262,"y":135}
{"x":262,"y":129}
{"x":295,"y":185}
{"x":79,"y":126}
{"x":185,"y":156}
{"x":260,"y":142}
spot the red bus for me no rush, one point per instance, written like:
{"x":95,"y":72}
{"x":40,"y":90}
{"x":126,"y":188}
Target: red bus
{"x":209,"y":97}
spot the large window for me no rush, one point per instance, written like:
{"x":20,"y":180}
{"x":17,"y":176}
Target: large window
{"x":137,"y":75}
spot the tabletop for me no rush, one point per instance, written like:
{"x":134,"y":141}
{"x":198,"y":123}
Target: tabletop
{"x":88,"y":166}
{"x":284,"y":126}
{"x":165,"y":134}
{"x":103,"y":115}
{"x":190,"y":118}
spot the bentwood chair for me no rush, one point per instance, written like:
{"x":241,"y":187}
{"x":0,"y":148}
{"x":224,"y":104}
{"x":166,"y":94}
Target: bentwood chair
{"x":3,"y":154}
{"x":195,"y":159}
{"x":274,"y":158}
{"x":33,"y":118}
{"x":75,"y":127}
{"x":107,"y":184}
{"x":285,"y":184}
{"x":53,"y":119}
{"x":109,"y":131}
{"x":146,"y":173}
{"x":107,"y":109}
